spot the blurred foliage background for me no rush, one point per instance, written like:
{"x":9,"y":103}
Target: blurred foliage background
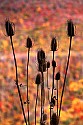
{"x":41,"y":20}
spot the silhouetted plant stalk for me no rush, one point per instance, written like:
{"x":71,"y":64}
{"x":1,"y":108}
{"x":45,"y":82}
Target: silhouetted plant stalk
{"x":38,"y":82}
{"x":42,"y":65}
{"x":53,"y":49}
{"x":48,"y":66}
{"x":70,"y":29}
{"x":53,"y":65}
{"x":42,"y":68}
{"x":10,"y":31}
{"x":28,"y":45}
{"x":57,"y":79}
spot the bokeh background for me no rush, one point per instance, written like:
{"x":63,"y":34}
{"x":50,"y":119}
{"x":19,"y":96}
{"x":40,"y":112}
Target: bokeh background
{"x":41,"y":20}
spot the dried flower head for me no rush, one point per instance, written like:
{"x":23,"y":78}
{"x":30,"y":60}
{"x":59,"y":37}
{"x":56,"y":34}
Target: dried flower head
{"x":29,"y":43}
{"x":54,"y":44}
{"x":38,"y":79}
{"x":57,"y":77}
{"x":41,"y":56}
{"x":53,"y":63}
{"x":9,"y":27}
{"x":70,"y":28}
{"x":41,"y":61}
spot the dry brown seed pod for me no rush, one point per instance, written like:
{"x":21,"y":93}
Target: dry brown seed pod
{"x":29,"y":43}
{"x":41,"y":56}
{"x":9,"y":27}
{"x":54,"y":44}
{"x":70,"y":28}
{"x":38,"y":79}
{"x":57,"y":77}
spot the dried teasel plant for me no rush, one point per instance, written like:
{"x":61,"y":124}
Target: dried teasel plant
{"x":53,"y":49}
{"x":38,"y":82}
{"x":43,"y":66}
{"x":70,"y":33}
{"x":10,"y":31}
{"x":28,"y":46}
{"x":48,"y":66}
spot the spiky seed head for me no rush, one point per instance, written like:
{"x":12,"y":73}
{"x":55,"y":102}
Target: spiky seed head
{"x":9,"y":27}
{"x":54,"y":44}
{"x":70,"y":28}
{"x":38,"y":79}
{"x":53,"y":63}
{"x":29,"y":43}
{"x":57,"y":77}
{"x":40,"y":56}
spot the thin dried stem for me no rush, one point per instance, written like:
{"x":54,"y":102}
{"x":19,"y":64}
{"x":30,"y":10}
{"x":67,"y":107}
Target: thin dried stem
{"x":57,"y":96}
{"x":36,"y":102}
{"x":28,"y":87}
{"x":53,"y":75}
{"x":65,"y":76}
{"x":42,"y":97}
{"x":47,"y":85}
{"x":17,"y":81}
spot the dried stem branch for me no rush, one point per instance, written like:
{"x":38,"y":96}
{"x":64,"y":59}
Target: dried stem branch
{"x":65,"y":76}
{"x":28,"y":86}
{"x":17,"y":81}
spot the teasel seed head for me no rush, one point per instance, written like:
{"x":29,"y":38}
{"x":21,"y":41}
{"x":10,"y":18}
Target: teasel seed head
{"x":53,"y":63}
{"x":41,"y":61}
{"x":38,"y":79}
{"x":41,"y":56}
{"x":70,"y":28}
{"x":9,"y":27}
{"x":48,"y":64}
{"x":29,"y":43}
{"x":54,"y":44}
{"x":57,"y":77}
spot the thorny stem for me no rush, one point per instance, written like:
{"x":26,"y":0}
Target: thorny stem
{"x":17,"y":81}
{"x":65,"y":75}
{"x":28,"y":86}
{"x":36,"y":102}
